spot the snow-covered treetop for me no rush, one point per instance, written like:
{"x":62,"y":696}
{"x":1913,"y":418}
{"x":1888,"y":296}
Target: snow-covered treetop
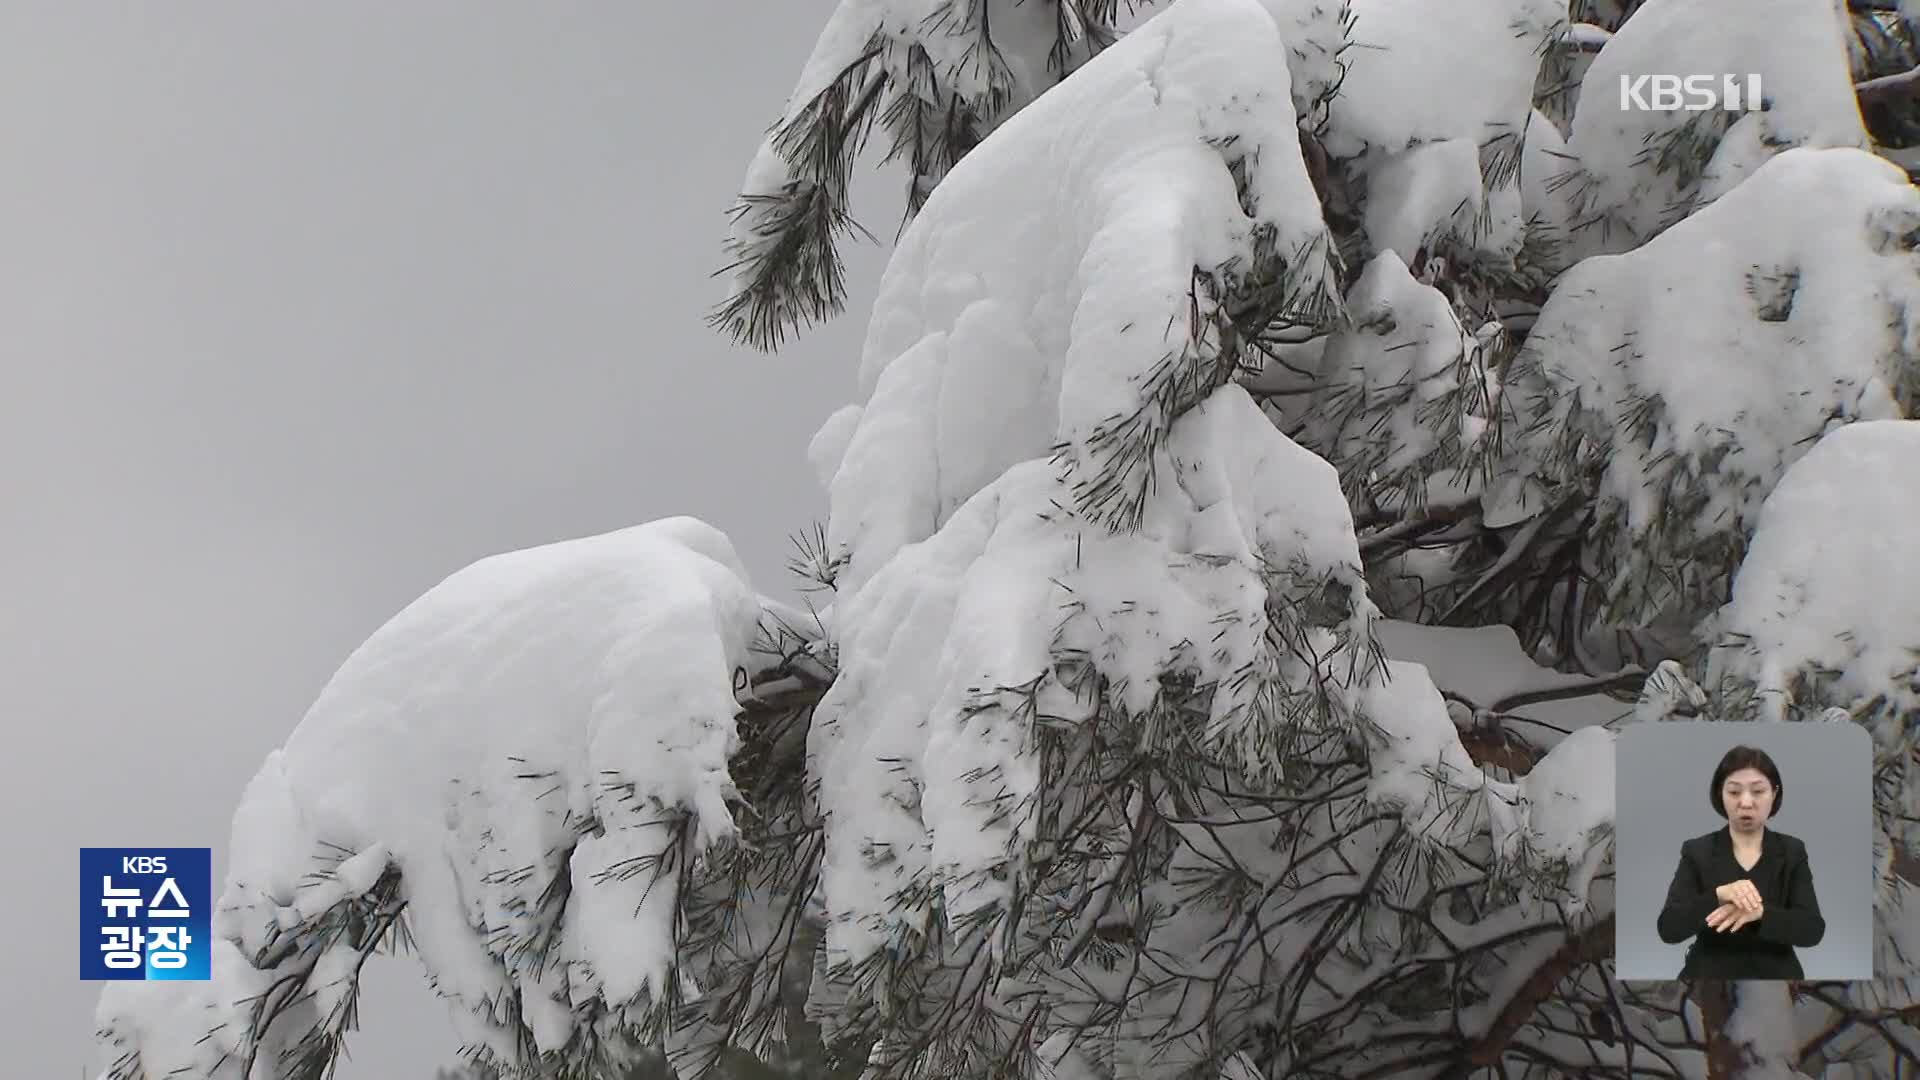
{"x":939,"y":76}
{"x":1071,"y":289}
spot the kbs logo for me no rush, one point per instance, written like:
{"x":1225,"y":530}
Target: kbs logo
{"x":146,"y":913}
{"x":1689,"y":93}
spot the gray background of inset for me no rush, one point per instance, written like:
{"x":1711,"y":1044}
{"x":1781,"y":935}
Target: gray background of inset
{"x":1662,"y":774}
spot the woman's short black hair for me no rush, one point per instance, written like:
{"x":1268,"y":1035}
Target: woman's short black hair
{"x":1746,"y":757}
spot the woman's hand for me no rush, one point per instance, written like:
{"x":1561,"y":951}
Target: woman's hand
{"x":1741,"y":894}
{"x":1730,"y":917}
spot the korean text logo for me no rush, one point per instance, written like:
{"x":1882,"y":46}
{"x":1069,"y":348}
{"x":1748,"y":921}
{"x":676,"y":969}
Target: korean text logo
{"x":146,"y":913}
{"x":1689,"y":93}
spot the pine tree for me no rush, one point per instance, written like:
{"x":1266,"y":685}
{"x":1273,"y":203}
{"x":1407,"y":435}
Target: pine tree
{"x":1234,"y":366}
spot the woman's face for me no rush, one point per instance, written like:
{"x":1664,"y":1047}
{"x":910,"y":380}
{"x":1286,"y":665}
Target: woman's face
{"x":1748,"y":798}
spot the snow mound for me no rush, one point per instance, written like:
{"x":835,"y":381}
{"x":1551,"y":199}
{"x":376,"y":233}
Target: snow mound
{"x":1639,"y":169}
{"x":1424,"y":73}
{"x":1681,"y":379}
{"x":1015,"y":613}
{"x":1419,"y":195}
{"x":1830,"y":584}
{"x":1416,"y":761}
{"x":521,"y":744}
{"x":1043,"y":299}
{"x":828,"y":447}
{"x":1434,"y":108}
{"x":1565,"y":814}
{"x":1552,"y":824}
{"x":1315,"y":33}
{"x":1546,"y":202}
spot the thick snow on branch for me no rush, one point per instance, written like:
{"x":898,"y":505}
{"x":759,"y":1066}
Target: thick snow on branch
{"x":1016,"y":611}
{"x":1688,"y":374}
{"x":1825,"y":614}
{"x":1419,"y":766}
{"x":840,"y":50}
{"x":1761,"y":1027}
{"x":1234,"y":620}
{"x":1421,"y":194}
{"x":1640,"y":169}
{"x":1396,"y":398}
{"x":1435,"y":104}
{"x":534,"y":745}
{"x":1830,"y":584}
{"x":1547,"y":168}
{"x":1047,"y":294}
{"x":1486,"y":666}
{"x":1423,"y":73}
{"x":1557,"y":818}
{"x":1315,"y":33}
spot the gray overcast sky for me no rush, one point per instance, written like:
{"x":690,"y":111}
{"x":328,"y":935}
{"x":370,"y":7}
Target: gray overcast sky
{"x":304,"y":306}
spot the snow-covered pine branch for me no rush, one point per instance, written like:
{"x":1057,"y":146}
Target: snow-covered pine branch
{"x":1074,"y":295}
{"x":932,"y":888}
{"x":1676,"y":382}
{"x":938,"y":76}
{"x":1632,"y":173}
{"x":532,"y":759}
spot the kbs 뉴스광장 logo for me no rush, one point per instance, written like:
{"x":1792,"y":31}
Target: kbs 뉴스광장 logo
{"x":146,"y":913}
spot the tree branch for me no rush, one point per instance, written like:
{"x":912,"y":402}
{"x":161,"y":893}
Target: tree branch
{"x":1586,"y":37}
{"x":1407,"y":531}
{"x":1905,"y":865}
{"x":1630,"y":679}
{"x":1586,"y":947}
{"x":1887,"y":87}
{"x":1493,"y":745}
{"x":797,"y":680}
{"x":1847,"y":1016}
{"x":1715,"y":998}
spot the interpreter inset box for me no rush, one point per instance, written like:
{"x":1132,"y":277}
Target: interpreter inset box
{"x":1743,"y":851}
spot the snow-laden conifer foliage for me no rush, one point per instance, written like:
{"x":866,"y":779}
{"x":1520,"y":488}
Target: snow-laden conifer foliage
{"x":938,"y":76}
{"x":528,"y":760}
{"x":1080,"y":308}
{"x":1675,"y":382}
{"x":1291,"y":436}
{"x":1634,"y":172}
